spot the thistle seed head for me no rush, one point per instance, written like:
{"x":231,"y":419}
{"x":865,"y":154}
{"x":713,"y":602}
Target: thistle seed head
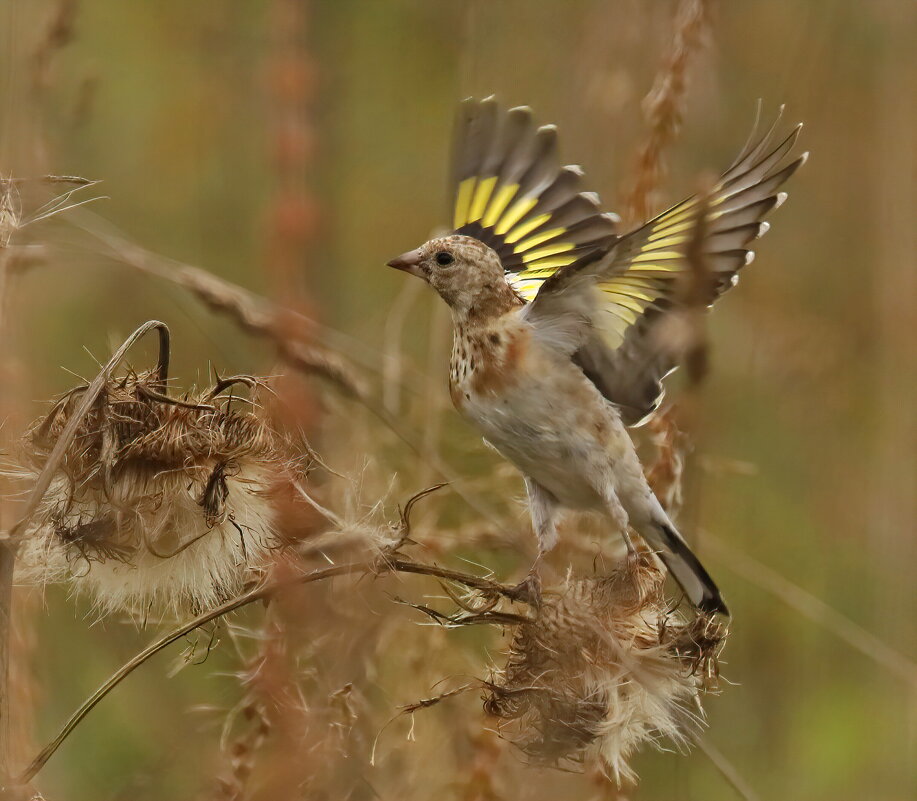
{"x":158,"y":504}
{"x":604,"y":667}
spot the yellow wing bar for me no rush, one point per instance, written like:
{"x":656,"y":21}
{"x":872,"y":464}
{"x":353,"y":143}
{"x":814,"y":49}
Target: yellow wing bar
{"x":511,"y":193}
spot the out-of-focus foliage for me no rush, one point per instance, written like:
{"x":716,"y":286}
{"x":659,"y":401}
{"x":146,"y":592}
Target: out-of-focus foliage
{"x":805,"y":434}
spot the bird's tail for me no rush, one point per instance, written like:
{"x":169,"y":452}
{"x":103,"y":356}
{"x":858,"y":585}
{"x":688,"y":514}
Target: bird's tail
{"x":686,"y":569}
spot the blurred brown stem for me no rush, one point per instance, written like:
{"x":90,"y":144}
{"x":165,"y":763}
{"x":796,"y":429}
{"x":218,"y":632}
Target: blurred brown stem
{"x":260,"y":593}
{"x":291,"y":332}
{"x":664,"y":107}
{"x":727,"y":770}
{"x":815,"y":609}
{"x":7,"y":562}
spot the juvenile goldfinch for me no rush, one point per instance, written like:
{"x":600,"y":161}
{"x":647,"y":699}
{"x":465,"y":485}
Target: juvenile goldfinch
{"x":559,"y":322}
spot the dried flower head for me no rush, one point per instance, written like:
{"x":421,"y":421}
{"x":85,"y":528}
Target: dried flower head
{"x":158,"y":503}
{"x":603,"y":667}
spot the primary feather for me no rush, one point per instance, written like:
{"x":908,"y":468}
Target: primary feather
{"x":512,"y":194}
{"x":601,"y":297}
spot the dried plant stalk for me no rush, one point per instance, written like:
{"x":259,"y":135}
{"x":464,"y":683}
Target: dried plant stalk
{"x":664,"y":474}
{"x":291,"y":333}
{"x":263,"y":592}
{"x":664,"y":108}
{"x":605,"y":667}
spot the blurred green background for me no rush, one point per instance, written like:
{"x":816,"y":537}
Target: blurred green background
{"x":293,"y":147}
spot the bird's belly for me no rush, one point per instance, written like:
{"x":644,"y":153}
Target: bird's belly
{"x":544,"y":444}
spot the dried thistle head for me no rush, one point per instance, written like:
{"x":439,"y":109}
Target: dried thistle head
{"x":158,"y":503}
{"x":604,"y":667}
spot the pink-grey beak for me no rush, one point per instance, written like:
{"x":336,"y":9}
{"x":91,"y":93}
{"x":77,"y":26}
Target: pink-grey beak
{"x":409,"y":262}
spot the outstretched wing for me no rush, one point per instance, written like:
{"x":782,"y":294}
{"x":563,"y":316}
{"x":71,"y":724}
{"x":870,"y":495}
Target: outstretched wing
{"x":688,"y":255}
{"x":511,"y":193}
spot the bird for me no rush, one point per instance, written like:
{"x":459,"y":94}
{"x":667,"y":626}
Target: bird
{"x":562,"y":324}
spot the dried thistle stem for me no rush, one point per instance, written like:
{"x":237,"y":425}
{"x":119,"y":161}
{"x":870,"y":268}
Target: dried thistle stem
{"x":286,"y":329}
{"x":9,"y":541}
{"x":664,"y":107}
{"x":260,"y":593}
{"x":7,"y":563}
{"x":726,"y":769}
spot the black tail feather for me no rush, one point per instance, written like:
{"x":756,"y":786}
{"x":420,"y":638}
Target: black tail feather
{"x":690,"y":574}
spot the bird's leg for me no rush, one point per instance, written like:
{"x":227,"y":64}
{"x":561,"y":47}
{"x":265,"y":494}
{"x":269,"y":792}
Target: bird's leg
{"x":529,"y":589}
{"x":628,"y":542}
{"x":616,"y":512}
{"x":543,"y":510}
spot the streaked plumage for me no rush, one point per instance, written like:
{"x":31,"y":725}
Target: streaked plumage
{"x":557,"y":318}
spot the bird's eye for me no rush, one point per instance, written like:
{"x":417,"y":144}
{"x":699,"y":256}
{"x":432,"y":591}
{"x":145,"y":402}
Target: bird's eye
{"x":444,"y":258}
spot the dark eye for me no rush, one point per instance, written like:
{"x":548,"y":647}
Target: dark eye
{"x":444,"y":258}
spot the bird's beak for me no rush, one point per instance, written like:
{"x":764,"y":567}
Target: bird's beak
{"x":409,"y":262}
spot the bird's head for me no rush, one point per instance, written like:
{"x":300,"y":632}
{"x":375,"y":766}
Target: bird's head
{"x":465,"y":272}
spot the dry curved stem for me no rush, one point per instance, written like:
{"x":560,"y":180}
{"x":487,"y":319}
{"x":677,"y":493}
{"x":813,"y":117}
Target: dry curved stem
{"x":404,"y":528}
{"x":10,"y":540}
{"x":222,"y":384}
{"x":423,"y":703}
{"x":465,"y":618}
{"x":474,"y":582}
{"x":253,"y":314}
{"x":815,"y":609}
{"x":145,"y":392}
{"x":726,"y":769}
{"x":150,"y":545}
{"x":426,"y":703}
{"x":262,"y":592}
{"x":49,"y":179}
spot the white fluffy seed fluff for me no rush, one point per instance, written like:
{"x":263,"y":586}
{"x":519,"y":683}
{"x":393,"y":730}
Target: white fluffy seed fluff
{"x":159,"y":507}
{"x":605,"y":667}
{"x":149,"y":548}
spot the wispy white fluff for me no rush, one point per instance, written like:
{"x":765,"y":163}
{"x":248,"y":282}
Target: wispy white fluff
{"x":161,"y":555}
{"x":603,"y":669}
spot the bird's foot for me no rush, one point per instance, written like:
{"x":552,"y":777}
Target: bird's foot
{"x":529,"y":589}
